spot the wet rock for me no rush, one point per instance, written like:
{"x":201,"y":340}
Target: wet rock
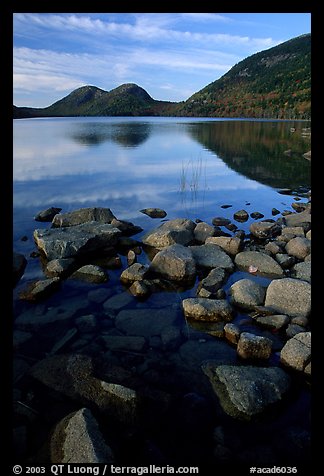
{"x":154,"y":212}
{"x":276,"y":321}
{"x":299,"y":247}
{"x":178,"y":231}
{"x":203,"y":309}
{"x":86,"y":323}
{"x":256,"y":215}
{"x":231,"y":245}
{"x":126,"y":227}
{"x":91,"y":274}
{"x":204,"y":231}
{"x":60,"y":267}
{"x":118,"y":301}
{"x":285,"y":260}
{"x":211,"y":256}
{"x":75,"y":240}
{"x":247,"y":391}
{"x":275,"y":211}
{"x":247,"y":294}
{"x":135,"y":272}
{"x":289,"y":296}
{"x":212,"y":282}
{"x":265,"y":265}
{"x":83,"y":215}
{"x":296,"y":353}
{"x":265,"y":229}
{"x":40,"y":289}
{"x":131,"y":257}
{"x":273,"y":247}
{"x":19,"y":264}
{"x":241,"y":216}
{"x":251,"y":346}
{"x":175,"y":263}
{"x":139,"y":289}
{"x":77,"y":439}
{"x":232,"y":333}
{"x":294,"y":329}
{"x":48,"y":214}
{"x":19,"y":338}
{"x":220,"y":221}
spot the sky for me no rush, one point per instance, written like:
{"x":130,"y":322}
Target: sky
{"x":170,"y":55}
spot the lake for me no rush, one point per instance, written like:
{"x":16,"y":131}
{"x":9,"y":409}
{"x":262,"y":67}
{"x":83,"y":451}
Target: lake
{"x":191,"y":168}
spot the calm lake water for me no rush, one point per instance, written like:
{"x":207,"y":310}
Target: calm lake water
{"x":188,"y":167}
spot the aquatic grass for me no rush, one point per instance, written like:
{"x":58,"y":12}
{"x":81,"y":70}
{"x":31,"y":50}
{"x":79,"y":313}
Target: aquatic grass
{"x":190,"y":177}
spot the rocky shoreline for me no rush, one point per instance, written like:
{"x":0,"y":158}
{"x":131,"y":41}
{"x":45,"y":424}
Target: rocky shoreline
{"x":156,"y":383}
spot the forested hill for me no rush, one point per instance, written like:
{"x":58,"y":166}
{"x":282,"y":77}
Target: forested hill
{"x":275,"y":83}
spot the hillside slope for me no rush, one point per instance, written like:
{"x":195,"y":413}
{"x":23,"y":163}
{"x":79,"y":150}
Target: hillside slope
{"x":275,"y":83}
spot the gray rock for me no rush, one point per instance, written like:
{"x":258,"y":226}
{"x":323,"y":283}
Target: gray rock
{"x":264,"y":263}
{"x":265,"y":229}
{"x":232,"y":333}
{"x":86,"y":323}
{"x":247,"y":294}
{"x":77,"y":439}
{"x":220,"y":221}
{"x":135,"y":272}
{"x":251,"y":346}
{"x":276,"y":321}
{"x":212,"y":282}
{"x":60,"y":267}
{"x":75,"y":240}
{"x":139,"y":289}
{"x":203,"y":309}
{"x":180,"y":231}
{"x":241,"y":216}
{"x":293,"y":230}
{"x":289,"y":296}
{"x":48,"y":214}
{"x":247,"y":391}
{"x":83,"y":215}
{"x":118,"y":301}
{"x":211,"y":256}
{"x":231,"y":245}
{"x":302,"y":219}
{"x":296,"y":353}
{"x":40,"y":289}
{"x":91,"y":274}
{"x":126,"y":227}
{"x":131,"y":257}
{"x":154,"y":212}
{"x":19,"y":264}
{"x":256,"y":215}
{"x":175,"y":263}
{"x":299,"y":247}
{"x":302,"y":271}
{"x":285,"y":260}
{"x":294,"y":329}
{"x":204,"y":231}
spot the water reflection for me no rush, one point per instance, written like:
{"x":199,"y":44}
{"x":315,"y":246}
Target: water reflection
{"x":125,"y":134}
{"x":264,"y":151}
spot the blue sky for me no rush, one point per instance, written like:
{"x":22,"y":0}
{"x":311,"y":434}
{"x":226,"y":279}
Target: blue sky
{"x":170,"y":55}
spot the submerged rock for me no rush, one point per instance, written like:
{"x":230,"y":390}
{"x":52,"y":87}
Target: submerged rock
{"x":40,"y":289}
{"x":247,"y":391}
{"x":19,"y":264}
